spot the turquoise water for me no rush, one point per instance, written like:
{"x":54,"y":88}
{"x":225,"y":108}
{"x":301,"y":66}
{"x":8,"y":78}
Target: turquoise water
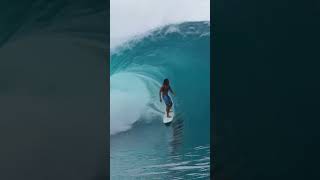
{"x":142,"y":147}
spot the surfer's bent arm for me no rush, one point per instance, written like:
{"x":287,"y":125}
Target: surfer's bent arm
{"x":172,"y":91}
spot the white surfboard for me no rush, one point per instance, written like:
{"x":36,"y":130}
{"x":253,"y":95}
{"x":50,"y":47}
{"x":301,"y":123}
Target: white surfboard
{"x":167,"y":120}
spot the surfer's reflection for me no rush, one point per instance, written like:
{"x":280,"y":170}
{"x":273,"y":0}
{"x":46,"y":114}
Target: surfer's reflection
{"x":177,"y":134}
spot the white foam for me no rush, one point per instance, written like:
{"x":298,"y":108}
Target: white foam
{"x":129,"y":18}
{"x":189,"y":167}
{"x":128,"y":100}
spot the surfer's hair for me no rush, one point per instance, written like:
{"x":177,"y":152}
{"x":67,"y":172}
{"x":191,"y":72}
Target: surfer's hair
{"x":166,"y":82}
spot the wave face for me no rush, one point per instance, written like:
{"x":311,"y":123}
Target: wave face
{"x":179,"y":52}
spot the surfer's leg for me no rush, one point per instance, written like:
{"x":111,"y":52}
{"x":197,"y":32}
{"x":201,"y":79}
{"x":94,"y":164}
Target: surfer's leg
{"x":170,"y":106}
{"x":168,"y":103}
{"x":168,"y":110}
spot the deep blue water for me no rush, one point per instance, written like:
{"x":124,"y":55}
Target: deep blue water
{"x":142,"y":147}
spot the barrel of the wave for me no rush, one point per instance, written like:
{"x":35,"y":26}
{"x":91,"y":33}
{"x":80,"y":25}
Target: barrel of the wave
{"x":181,"y":53}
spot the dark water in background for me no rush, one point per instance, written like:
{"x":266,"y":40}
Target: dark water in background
{"x":53,"y":89}
{"x":266,"y":89}
{"x":142,"y":147}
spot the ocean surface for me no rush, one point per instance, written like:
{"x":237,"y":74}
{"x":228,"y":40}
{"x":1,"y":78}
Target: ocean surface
{"x":141,"y":146}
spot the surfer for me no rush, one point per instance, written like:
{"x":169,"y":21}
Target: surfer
{"x":165,"y":88}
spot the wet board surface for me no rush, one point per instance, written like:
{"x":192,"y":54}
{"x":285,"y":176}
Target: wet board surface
{"x":166,"y":119}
